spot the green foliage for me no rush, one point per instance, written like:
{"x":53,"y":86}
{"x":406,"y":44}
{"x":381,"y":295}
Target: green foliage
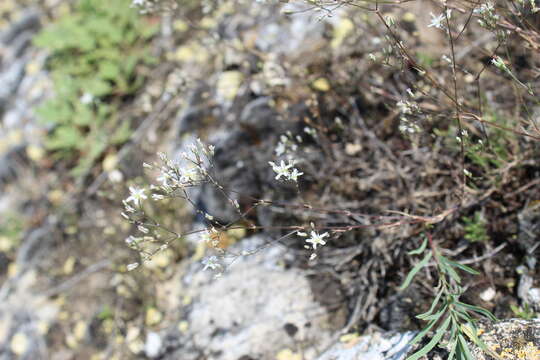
{"x":525,"y":312}
{"x":94,"y":54}
{"x":105,"y":313}
{"x":475,"y":228}
{"x":452,"y":319}
{"x":495,"y":152}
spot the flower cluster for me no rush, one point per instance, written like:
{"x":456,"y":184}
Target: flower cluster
{"x":406,"y":108}
{"x":287,"y":148}
{"x":487,"y":17}
{"x":287,"y":145}
{"x":172,"y":180}
{"x":287,"y":171}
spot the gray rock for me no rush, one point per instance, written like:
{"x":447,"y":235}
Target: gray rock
{"x":153,"y":345}
{"x":10,"y":79}
{"x":28,"y":21}
{"x":254,"y":310}
{"x":379,"y":346}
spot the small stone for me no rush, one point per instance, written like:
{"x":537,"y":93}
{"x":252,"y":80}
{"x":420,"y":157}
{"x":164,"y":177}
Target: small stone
{"x":152,"y":346}
{"x":110,"y":162}
{"x":153,"y":316}
{"x":228,"y":85}
{"x":35,"y":153}
{"x":287,"y":354}
{"x":183,"y":327}
{"x":69,"y":265}
{"x":352,"y":149}
{"x":488,"y":294}
{"x":409,"y":17}
{"x":321,"y":84}
{"x":341,"y":30}
{"x":19,"y":344}
{"x":80,"y":330}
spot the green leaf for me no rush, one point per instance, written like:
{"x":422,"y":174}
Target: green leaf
{"x":433,"y":305}
{"x":462,"y":267}
{"x":420,"y":249}
{"x":464,"y":348}
{"x":477,"y":309}
{"x":453,"y":347}
{"x":448,"y":269}
{"x":434,"y":341}
{"x":64,"y":137}
{"x":425,"y":330}
{"x":415,"y":270}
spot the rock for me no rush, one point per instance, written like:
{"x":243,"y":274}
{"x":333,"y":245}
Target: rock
{"x":10,"y":79}
{"x":254,"y":310}
{"x":379,"y":346}
{"x":511,"y":339}
{"x":526,"y":292}
{"x":153,"y":345}
{"x":28,"y":21}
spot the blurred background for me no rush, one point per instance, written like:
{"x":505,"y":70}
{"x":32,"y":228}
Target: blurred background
{"x":91,"y":89}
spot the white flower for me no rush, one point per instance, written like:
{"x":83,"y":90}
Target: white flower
{"x":143,"y":229}
{"x":316,"y":239}
{"x":281,"y":169}
{"x":404,"y":107}
{"x":437,"y":21}
{"x":136,"y":195}
{"x":280,"y":149}
{"x":133,"y":266}
{"x":211,"y":262}
{"x":131,"y":240}
{"x":164,"y":178}
{"x":295,"y":174}
{"x":86,"y":99}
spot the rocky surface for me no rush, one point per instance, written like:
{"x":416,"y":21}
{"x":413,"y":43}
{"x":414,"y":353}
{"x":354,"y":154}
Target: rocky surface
{"x":511,"y":339}
{"x":254,"y":320}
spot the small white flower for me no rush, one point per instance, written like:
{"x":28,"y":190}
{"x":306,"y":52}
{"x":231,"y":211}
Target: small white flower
{"x":143,"y":229}
{"x":131,"y":240}
{"x":86,"y":99}
{"x":157,"y":197}
{"x":404,"y":107}
{"x":132,"y":266}
{"x":281,"y":170}
{"x":316,"y":239}
{"x":164,"y":178}
{"x":136,"y":196}
{"x":295,"y":174}
{"x":280,"y":149}
{"x":437,"y":21}
{"x":211,"y":262}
